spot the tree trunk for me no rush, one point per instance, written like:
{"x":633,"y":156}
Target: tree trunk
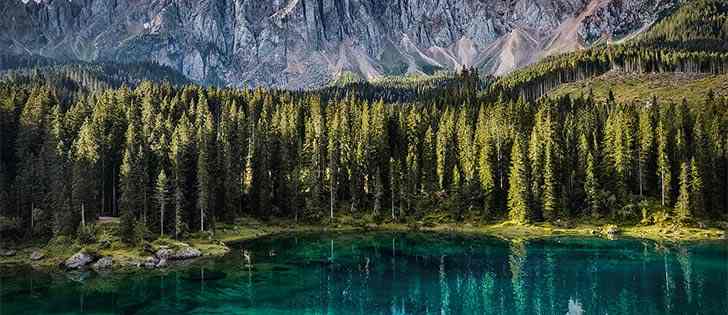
{"x":83,"y":215}
{"x":161,"y":220}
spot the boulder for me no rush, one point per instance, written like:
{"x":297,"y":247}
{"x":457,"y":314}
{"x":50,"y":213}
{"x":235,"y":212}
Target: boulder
{"x":7,"y":252}
{"x":78,"y":260}
{"x":162,"y":263}
{"x":164,"y":253}
{"x":150,"y":262}
{"x":36,"y":255}
{"x":103,"y":263}
{"x":186,"y":253}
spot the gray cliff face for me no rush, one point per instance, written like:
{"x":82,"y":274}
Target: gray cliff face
{"x":307,"y":43}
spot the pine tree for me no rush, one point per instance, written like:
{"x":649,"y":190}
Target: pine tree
{"x":646,"y":143}
{"x":183,"y":164}
{"x":591,"y":186}
{"x":518,"y":198}
{"x":697,"y":195}
{"x":486,"y":170}
{"x":163,"y":196}
{"x":445,"y":150}
{"x":84,"y":186}
{"x":205,"y":134}
{"x":550,"y":199}
{"x":466,"y":148}
{"x":334,"y":155}
{"x":663,"y":164}
{"x":683,"y":209}
{"x":314,"y":148}
{"x":429,"y":161}
{"x":133,"y":183}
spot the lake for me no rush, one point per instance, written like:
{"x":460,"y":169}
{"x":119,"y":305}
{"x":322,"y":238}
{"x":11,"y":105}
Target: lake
{"x":400,"y":273}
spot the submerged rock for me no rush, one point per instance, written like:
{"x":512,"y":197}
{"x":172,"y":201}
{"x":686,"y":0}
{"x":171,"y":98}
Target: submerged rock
{"x":78,"y":260}
{"x":103,"y":263}
{"x":7,"y":252}
{"x":36,"y":255}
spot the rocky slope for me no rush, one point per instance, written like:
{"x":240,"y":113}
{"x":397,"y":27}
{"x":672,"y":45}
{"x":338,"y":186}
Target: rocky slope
{"x":307,"y":43}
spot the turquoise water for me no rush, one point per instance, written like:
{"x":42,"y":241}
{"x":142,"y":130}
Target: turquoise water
{"x":400,"y":273}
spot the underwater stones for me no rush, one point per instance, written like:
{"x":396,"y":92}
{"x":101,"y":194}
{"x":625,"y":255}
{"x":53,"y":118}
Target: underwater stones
{"x":36,"y":255}
{"x":7,"y":252}
{"x":78,"y":260}
{"x":103,"y":263}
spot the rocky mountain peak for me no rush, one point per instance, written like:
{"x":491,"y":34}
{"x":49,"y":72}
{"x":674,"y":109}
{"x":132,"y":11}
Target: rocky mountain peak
{"x":307,"y":43}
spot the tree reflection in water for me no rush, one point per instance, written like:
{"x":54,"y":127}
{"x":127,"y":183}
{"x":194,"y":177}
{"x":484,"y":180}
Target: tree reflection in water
{"x":402,"y":273}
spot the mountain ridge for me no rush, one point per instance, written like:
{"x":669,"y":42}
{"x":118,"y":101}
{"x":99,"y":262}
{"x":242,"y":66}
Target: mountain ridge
{"x":307,"y":43}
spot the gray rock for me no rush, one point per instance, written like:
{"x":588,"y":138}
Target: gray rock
{"x":103,"y":264}
{"x":7,"y":252}
{"x":78,"y":260}
{"x":162,"y":263}
{"x":150,"y":262}
{"x":186,"y":253}
{"x":307,"y":43}
{"x":36,"y":255}
{"x":164,"y":253}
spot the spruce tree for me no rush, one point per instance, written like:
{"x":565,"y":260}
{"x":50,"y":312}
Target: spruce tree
{"x":518,"y":197}
{"x":133,"y":184}
{"x":697,"y":195}
{"x":205,"y":134}
{"x":550,"y":198}
{"x":591,"y":186}
{"x":485,"y":163}
{"x":663,"y":164}
{"x":646,"y":144}
{"x":164,"y":197}
{"x":683,"y":209}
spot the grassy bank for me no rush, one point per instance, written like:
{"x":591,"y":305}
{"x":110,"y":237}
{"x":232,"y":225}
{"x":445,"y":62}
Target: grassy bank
{"x":667,"y":87}
{"x":127,"y":258}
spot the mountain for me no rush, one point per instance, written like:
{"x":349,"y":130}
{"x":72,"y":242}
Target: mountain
{"x":309,"y":43}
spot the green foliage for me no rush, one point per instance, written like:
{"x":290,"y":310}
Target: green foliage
{"x":683,"y":207}
{"x":86,"y":234}
{"x":518,"y":197}
{"x":180,"y":159}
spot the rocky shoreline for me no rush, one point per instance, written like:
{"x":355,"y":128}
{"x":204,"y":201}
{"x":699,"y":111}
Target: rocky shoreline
{"x":167,"y":254}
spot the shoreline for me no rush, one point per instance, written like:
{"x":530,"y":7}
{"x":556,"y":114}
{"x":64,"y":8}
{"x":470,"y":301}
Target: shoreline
{"x":130,"y":259}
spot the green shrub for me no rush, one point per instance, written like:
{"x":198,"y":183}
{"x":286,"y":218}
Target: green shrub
{"x":140,"y":233}
{"x":86,"y":234}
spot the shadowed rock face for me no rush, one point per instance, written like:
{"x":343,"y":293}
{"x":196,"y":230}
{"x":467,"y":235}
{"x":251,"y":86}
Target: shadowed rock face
{"x":307,"y":43}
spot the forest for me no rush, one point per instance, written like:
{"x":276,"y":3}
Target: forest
{"x":83,"y":141}
{"x":172,"y":160}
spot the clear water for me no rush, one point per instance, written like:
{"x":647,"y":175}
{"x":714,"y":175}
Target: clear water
{"x":400,"y":273}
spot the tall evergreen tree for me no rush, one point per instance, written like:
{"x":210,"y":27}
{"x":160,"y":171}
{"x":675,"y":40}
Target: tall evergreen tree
{"x":518,"y":197}
{"x":683,"y":209}
{"x":663,"y":164}
{"x":591,"y":186}
{"x":164,"y":197}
